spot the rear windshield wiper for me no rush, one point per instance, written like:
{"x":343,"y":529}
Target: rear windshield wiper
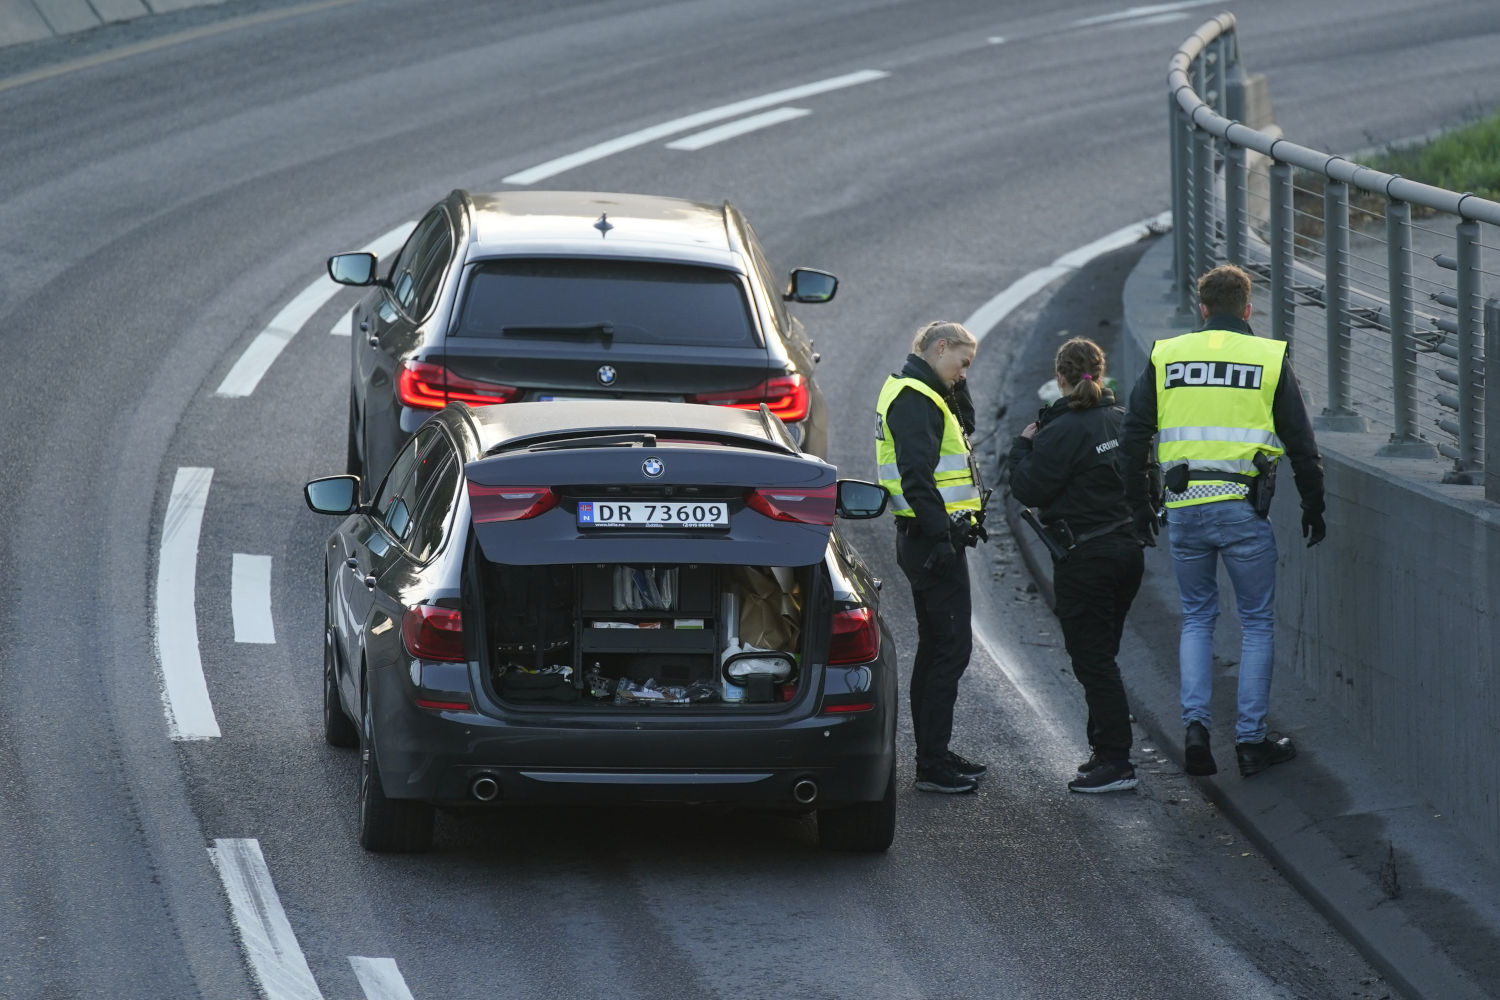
{"x":550,"y":329}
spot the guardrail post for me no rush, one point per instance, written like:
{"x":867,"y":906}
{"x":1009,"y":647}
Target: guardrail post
{"x":1236,"y":216}
{"x":1283,"y":299}
{"x":1204,"y":203}
{"x":1469,"y":459}
{"x":1181,"y":157}
{"x":1337,"y":415}
{"x":1492,"y":401}
{"x":1404,"y":442}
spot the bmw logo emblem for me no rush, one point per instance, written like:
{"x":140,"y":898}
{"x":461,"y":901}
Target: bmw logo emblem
{"x":653,"y":467}
{"x":606,"y":374}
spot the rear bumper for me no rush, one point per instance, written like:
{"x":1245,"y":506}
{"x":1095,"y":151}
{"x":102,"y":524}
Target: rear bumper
{"x":641,"y":757}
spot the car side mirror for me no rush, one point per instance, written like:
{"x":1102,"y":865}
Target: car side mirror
{"x":860,"y":501}
{"x":353,"y":268}
{"x":808,"y":285}
{"x":333,"y":495}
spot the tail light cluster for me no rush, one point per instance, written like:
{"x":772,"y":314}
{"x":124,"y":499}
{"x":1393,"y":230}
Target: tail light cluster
{"x":433,"y":633}
{"x":428,"y":386}
{"x":815,"y":506}
{"x":509,"y":503}
{"x":786,"y":396}
{"x":856,"y":637}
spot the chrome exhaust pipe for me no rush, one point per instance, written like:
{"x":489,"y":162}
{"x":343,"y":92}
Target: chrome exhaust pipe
{"x":805,"y":791}
{"x":484,"y":788}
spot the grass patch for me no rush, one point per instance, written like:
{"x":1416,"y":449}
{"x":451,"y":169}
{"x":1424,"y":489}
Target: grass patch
{"x":1466,"y":159}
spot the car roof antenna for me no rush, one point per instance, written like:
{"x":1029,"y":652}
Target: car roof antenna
{"x":603,"y":225}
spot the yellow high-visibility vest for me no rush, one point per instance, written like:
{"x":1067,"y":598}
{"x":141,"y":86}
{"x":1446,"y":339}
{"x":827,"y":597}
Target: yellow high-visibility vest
{"x":1214,"y":390}
{"x":955,"y":475}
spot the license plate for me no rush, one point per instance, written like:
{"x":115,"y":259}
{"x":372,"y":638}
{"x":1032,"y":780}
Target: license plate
{"x":652,"y":514}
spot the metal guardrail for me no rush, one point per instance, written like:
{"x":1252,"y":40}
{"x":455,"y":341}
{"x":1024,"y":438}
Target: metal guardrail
{"x":1376,"y":281}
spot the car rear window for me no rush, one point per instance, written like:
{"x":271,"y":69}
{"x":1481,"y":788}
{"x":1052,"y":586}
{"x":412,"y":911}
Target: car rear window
{"x":643,"y":302}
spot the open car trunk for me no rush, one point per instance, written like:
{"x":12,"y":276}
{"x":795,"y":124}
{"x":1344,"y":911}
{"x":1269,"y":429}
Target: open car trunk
{"x":617,"y":637}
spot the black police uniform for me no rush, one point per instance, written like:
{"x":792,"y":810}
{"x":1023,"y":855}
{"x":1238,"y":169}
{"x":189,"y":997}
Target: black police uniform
{"x":1072,"y":470}
{"x":939,"y":582}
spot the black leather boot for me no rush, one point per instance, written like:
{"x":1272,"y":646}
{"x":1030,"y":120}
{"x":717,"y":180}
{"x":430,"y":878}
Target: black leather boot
{"x":1256,"y":757}
{"x":1195,"y":750}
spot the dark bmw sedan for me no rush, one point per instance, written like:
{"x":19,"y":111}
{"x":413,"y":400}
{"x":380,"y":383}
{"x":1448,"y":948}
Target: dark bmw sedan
{"x":562,"y":295}
{"x":605,"y":601}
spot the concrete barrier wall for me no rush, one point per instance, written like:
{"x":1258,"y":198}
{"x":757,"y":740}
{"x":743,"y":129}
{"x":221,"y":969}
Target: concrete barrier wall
{"x":1389,"y":619}
{"x":33,"y":20}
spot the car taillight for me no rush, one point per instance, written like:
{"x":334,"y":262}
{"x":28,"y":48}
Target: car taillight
{"x":509,"y":503}
{"x":429,"y":386}
{"x":804,"y":506}
{"x":786,"y":396}
{"x":432,"y":633}
{"x":856,"y":637}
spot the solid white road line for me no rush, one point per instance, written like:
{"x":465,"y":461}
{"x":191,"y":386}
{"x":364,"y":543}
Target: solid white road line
{"x":719,"y":133}
{"x":609,"y":148}
{"x":250,"y":599}
{"x":190,"y":714}
{"x":271,"y":947}
{"x":380,"y":979}
{"x":989,"y":315}
{"x":1131,"y":13}
{"x":344,"y":325}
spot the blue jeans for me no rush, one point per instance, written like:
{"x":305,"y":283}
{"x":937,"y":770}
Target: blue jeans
{"x":1201,"y":535}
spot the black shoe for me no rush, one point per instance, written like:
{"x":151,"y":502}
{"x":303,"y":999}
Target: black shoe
{"x":1256,"y":757}
{"x":943,"y":778}
{"x":1094,"y":761}
{"x":1106,"y":776}
{"x":1200,"y":759}
{"x":964,"y":766}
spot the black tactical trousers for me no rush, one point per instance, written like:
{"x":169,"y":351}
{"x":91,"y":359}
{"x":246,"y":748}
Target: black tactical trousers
{"x":944,"y":642}
{"x":1094,"y":587}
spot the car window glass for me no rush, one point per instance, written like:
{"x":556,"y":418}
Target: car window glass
{"x":773,"y":285}
{"x":430,"y":270}
{"x":391,"y":503}
{"x":644,"y":302}
{"x":430,"y":238}
{"x":435,"y":504}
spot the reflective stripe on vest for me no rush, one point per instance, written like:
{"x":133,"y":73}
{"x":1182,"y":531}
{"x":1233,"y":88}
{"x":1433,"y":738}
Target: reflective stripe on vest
{"x":954,"y":473}
{"x":1214,"y":391}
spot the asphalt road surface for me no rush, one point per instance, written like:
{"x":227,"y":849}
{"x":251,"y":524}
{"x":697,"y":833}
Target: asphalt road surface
{"x":171,"y":188}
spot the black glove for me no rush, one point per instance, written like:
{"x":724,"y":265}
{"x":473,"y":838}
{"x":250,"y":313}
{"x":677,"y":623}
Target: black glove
{"x":1146,"y":526}
{"x":977,"y":534}
{"x":1313,"y":528}
{"x":941,"y":557}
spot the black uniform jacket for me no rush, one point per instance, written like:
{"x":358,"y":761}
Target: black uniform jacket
{"x":1287,"y":411}
{"x":916,"y":429}
{"x":1072,"y":469}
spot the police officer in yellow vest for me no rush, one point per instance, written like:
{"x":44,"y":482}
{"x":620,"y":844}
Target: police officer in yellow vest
{"x":923,"y":418}
{"x":1224,"y":406}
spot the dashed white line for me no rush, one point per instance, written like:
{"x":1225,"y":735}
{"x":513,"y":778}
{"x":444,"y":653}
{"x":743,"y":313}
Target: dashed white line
{"x":250,"y":599}
{"x":989,"y":315}
{"x":380,"y":979}
{"x":190,"y":714}
{"x":631,"y":141}
{"x":719,"y":133}
{"x":270,"y":945}
{"x":1132,"y":13}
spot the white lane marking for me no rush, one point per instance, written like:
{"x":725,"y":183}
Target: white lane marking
{"x":380,"y":979}
{"x":345,"y":324}
{"x":997,"y":39}
{"x":190,"y":714}
{"x":271,"y":947}
{"x":608,"y":148}
{"x":719,"y":133}
{"x":989,"y":315}
{"x":268,"y":344}
{"x":1154,"y":19}
{"x":250,"y":599}
{"x":1131,"y":13}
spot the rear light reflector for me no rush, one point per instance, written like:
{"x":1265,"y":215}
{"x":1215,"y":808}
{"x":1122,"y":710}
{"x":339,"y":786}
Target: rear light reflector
{"x":443,"y":706}
{"x":786,"y":396}
{"x":856,"y":639}
{"x":428,"y":386}
{"x":863,"y":706}
{"x":433,"y":633}
{"x":509,"y":503}
{"x":792,"y":504}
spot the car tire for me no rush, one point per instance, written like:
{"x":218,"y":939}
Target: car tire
{"x":864,"y":826}
{"x":338,"y":729}
{"x":387,"y":825}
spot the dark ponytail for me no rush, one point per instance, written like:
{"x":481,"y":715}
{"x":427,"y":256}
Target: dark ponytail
{"x":1081,"y":363}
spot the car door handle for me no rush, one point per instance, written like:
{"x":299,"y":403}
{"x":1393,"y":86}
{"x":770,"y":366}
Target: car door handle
{"x":352,"y":563}
{"x":364,"y":325}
